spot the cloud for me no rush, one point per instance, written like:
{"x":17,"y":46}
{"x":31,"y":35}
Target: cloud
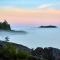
{"x":44,"y":6}
{"x":21,"y":16}
{"x":51,"y":6}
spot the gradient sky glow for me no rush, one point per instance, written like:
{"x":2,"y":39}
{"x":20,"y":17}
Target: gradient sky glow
{"x":30,"y":11}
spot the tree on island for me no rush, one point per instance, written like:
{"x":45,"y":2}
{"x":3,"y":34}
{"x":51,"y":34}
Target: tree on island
{"x":5,"y":26}
{"x":7,"y":39}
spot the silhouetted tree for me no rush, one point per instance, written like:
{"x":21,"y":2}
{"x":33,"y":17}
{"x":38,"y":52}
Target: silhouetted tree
{"x":48,"y":53}
{"x":5,"y":26}
{"x":39,"y":51}
{"x":7,"y":39}
{"x":0,"y":25}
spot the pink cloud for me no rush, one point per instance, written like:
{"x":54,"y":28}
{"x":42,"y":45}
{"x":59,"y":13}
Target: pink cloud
{"x":30,"y":16}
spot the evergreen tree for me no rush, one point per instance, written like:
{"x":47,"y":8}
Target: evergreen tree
{"x":5,"y":25}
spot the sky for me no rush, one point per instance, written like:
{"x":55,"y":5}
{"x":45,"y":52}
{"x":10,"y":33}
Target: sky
{"x":30,"y":11}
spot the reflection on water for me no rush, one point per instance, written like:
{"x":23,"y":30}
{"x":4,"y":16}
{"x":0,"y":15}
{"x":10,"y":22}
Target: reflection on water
{"x":35,"y":37}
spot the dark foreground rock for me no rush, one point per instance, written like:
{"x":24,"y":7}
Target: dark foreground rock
{"x":13,"y":51}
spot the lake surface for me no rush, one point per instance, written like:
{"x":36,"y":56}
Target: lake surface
{"x":35,"y":37}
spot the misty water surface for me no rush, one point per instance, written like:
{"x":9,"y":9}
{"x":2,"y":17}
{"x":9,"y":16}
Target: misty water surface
{"x":35,"y":37}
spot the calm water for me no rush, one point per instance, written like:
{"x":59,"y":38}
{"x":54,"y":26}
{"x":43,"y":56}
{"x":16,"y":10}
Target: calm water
{"x":35,"y":37}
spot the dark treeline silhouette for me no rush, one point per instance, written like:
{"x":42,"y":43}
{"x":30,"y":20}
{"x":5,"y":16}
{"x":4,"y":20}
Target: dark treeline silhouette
{"x":44,"y":54}
{"x":12,"y":51}
{"x":48,"y":26}
{"x":5,"y":26}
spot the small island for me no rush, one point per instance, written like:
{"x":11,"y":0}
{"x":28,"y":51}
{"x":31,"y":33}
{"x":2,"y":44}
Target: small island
{"x":49,"y":26}
{"x":5,"y":26}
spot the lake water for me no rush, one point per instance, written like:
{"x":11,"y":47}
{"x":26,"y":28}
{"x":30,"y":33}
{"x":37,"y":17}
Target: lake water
{"x":35,"y":37}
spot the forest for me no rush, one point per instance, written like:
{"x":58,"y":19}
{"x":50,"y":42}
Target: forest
{"x":12,"y":51}
{"x":5,"y":26}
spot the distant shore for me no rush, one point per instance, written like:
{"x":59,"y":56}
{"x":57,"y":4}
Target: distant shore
{"x":49,"y":26}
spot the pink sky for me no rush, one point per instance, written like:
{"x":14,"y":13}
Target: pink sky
{"x":30,"y":16}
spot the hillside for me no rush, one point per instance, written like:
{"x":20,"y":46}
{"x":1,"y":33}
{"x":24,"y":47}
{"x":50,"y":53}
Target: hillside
{"x":18,"y":46}
{"x":13,"y":51}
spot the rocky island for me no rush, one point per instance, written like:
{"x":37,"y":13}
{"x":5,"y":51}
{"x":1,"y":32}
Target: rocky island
{"x":49,"y":26}
{"x":5,"y":26}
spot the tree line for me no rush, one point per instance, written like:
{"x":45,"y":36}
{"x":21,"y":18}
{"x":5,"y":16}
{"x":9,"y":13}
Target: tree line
{"x":9,"y":51}
{"x":5,"y":26}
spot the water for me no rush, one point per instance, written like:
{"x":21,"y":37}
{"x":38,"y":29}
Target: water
{"x":35,"y":37}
